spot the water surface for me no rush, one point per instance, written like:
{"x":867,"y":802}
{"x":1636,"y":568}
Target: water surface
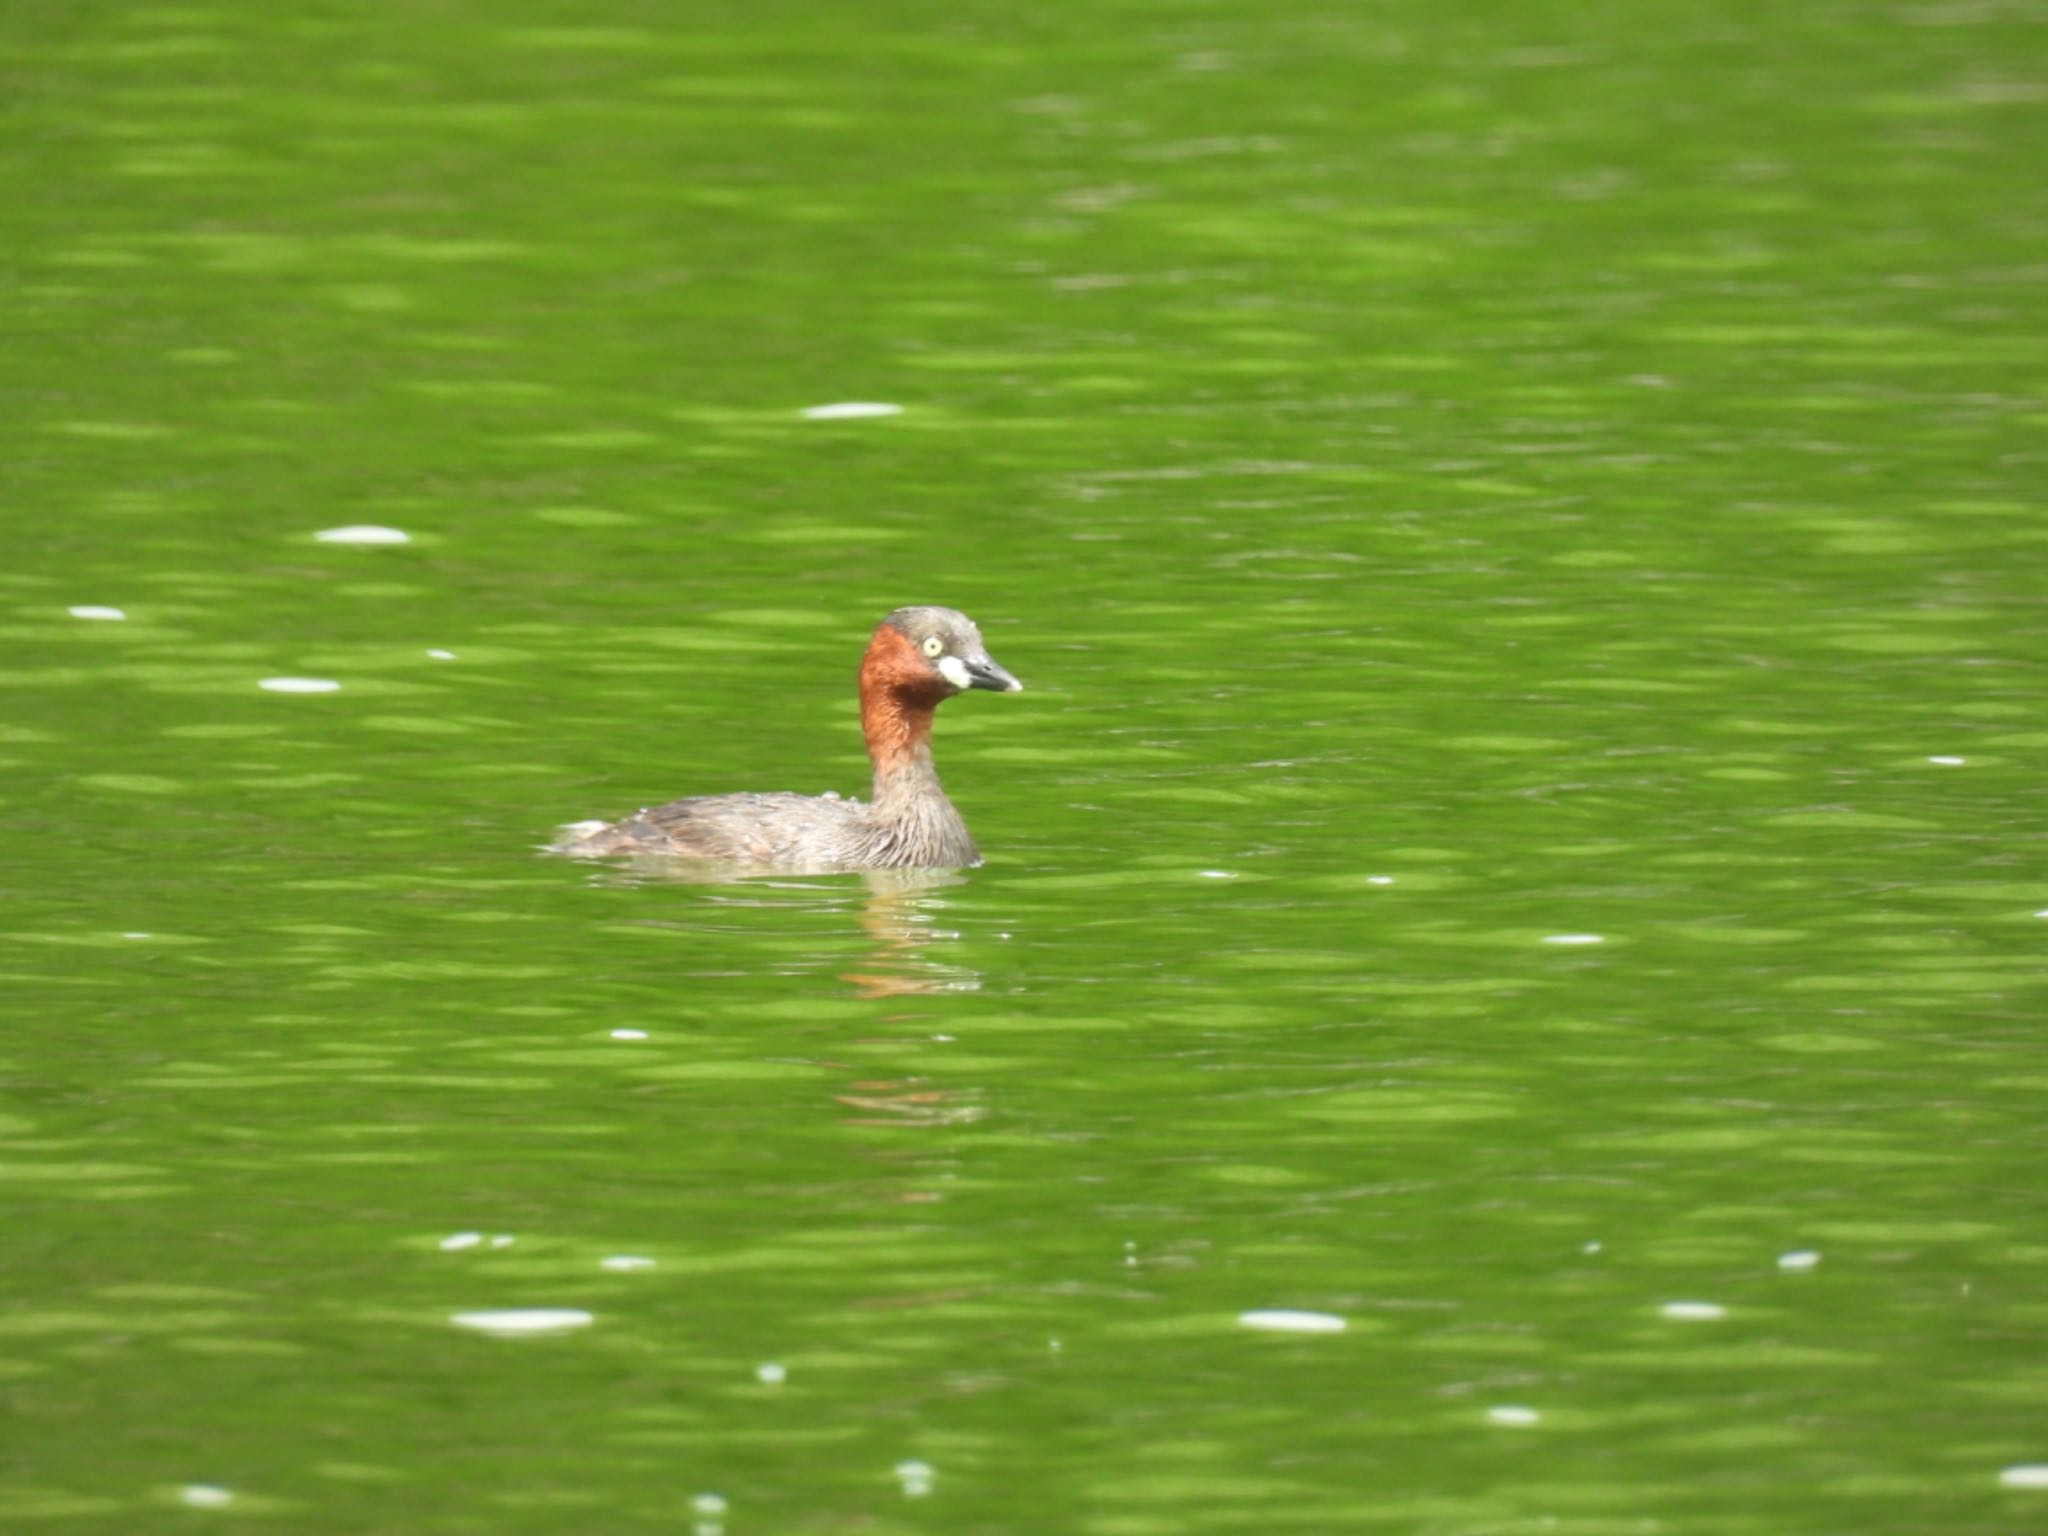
{"x":1521,"y":527}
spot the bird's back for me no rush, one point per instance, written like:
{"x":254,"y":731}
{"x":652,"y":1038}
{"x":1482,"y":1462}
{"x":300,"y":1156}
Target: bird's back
{"x":779,"y":829}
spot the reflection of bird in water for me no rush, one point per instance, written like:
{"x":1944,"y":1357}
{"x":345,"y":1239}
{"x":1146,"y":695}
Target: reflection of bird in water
{"x":898,"y":917}
{"x":897,"y":913}
{"x":909,"y":1103}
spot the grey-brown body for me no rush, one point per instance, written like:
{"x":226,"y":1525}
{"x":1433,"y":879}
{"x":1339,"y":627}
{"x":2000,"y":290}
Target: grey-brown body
{"x":905,"y":826}
{"x":917,"y":658}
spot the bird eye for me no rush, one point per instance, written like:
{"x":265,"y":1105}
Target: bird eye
{"x":933,"y":645}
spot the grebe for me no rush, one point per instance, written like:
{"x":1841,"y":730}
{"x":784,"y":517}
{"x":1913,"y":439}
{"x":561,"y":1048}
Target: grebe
{"x":916,"y":660}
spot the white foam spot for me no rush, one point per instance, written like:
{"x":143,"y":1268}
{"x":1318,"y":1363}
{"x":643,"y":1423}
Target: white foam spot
{"x":363,"y":533}
{"x":94,"y":611}
{"x":1216,"y":874}
{"x":1574,"y":938}
{"x":136,"y":935}
{"x":916,"y":1478}
{"x":1379,"y":879}
{"x":625,"y":1262}
{"x":502,"y":1240}
{"x":439,"y":655}
{"x":1948,"y":762}
{"x":299,"y":685}
{"x":1804,"y":1258}
{"x":205,"y":1496}
{"x":629,"y":1034}
{"x":524,"y":1322}
{"x":1593,"y":1247}
{"x":771,"y":1374}
{"x":460,"y":1241}
{"x":851,"y":410}
{"x":1516,"y":1418}
{"x":1282,"y":1321}
{"x":1693,"y":1311}
{"x":707,"y":1504}
{"x":2026,"y":1475}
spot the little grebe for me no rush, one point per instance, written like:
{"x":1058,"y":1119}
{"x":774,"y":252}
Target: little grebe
{"x":917,"y":659}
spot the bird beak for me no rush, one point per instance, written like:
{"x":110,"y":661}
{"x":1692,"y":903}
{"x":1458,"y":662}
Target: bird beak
{"x":983,"y":671}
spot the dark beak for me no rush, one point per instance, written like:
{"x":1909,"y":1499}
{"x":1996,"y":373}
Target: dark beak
{"x":984,"y":672}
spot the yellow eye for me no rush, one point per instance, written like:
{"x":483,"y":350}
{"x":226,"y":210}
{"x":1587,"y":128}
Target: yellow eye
{"x":933,"y":645}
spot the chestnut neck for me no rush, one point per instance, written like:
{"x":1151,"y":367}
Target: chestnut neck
{"x":898,"y":696}
{"x":910,"y":819}
{"x":898,"y":731}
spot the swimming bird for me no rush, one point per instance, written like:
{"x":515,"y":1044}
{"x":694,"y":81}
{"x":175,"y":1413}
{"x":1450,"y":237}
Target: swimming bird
{"x":916,"y":659}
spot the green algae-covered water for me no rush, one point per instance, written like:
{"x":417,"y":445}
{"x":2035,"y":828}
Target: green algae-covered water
{"x":1519,"y":867}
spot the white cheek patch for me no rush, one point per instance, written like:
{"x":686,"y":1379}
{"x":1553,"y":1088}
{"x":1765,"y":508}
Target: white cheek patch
{"x":954,"y":671}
